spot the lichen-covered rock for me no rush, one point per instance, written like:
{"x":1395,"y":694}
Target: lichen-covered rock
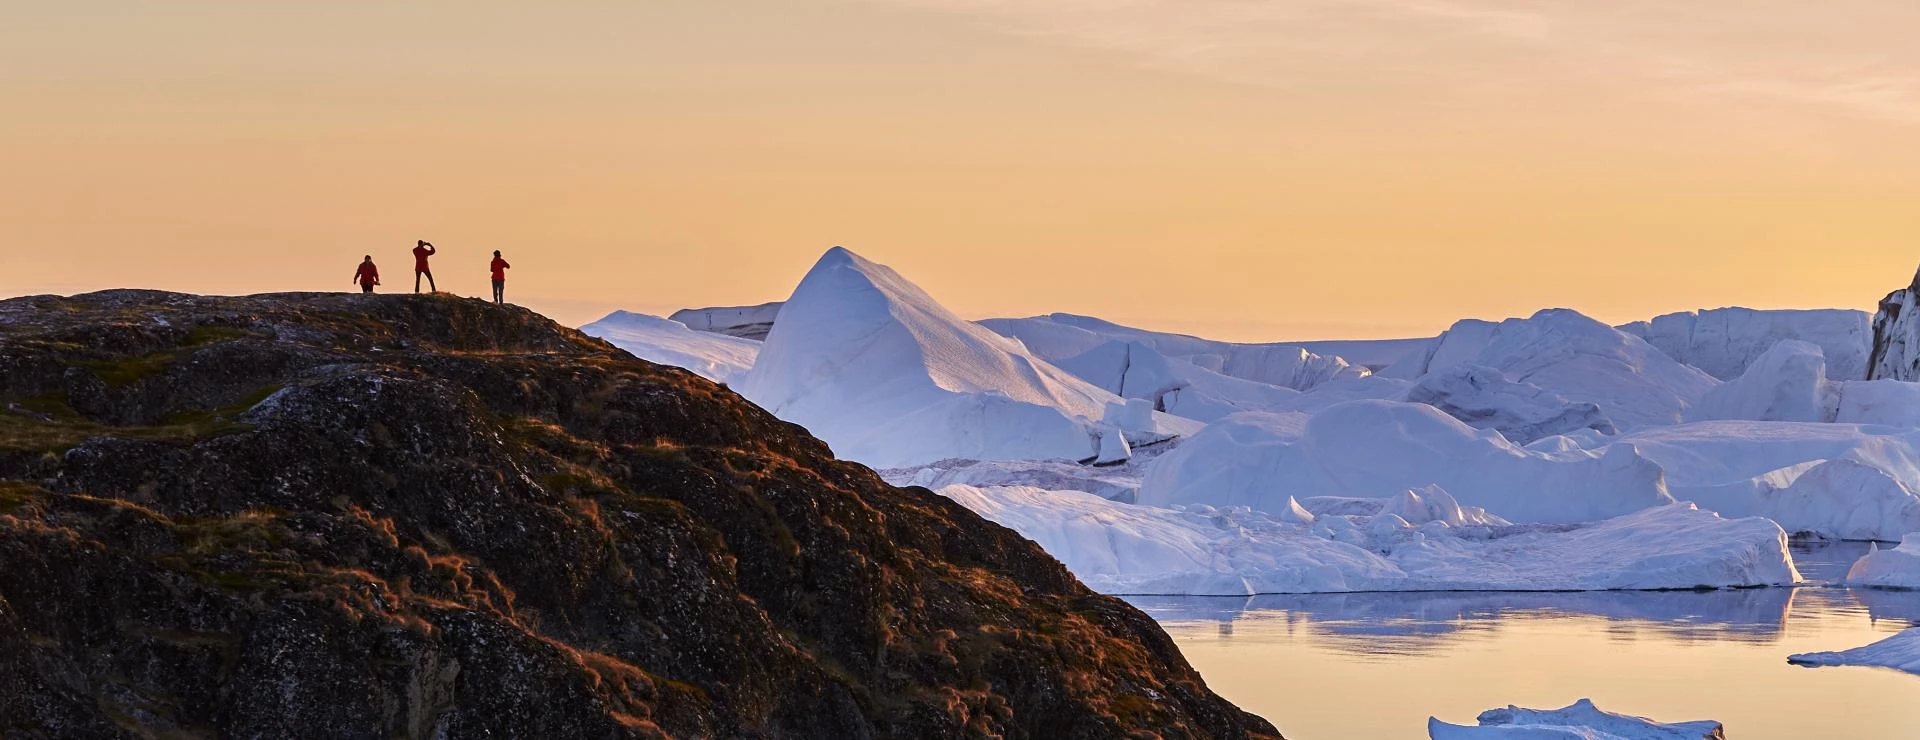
{"x":399,"y":516}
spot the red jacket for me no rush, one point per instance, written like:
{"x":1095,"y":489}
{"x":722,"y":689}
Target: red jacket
{"x":499,"y":269}
{"x":420,"y":255}
{"x":367,"y":274}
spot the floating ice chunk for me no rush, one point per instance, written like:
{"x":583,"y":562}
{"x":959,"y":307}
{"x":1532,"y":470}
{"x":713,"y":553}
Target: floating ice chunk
{"x":1898,"y":567}
{"x":1900,"y":652}
{"x":1582,"y":721}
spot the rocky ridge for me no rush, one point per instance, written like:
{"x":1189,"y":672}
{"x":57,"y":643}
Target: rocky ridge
{"x":311,"y":515}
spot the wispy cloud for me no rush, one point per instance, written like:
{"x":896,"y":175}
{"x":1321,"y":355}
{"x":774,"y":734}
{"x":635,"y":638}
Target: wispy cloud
{"x":1849,"y":56}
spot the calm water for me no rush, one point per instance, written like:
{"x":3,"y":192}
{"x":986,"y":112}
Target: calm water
{"x":1377,"y":665}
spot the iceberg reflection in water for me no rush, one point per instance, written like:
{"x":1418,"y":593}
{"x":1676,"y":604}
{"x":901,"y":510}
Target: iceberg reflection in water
{"x":1378,"y":664}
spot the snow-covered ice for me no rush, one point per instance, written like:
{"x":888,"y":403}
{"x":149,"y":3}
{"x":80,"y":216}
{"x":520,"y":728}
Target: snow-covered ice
{"x":1123,"y":548}
{"x":1569,"y":354}
{"x":1900,"y":652}
{"x":1582,"y":721}
{"x":1724,"y":341}
{"x":1375,"y":449}
{"x":1897,"y":567}
{"x":715,"y":357}
{"x":886,"y":375}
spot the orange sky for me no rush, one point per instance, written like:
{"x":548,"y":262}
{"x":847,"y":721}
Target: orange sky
{"x":1247,"y":169}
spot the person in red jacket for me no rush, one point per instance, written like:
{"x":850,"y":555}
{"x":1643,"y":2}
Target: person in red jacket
{"x":421,"y":252}
{"x":367,"y":276}
{"x":499,"y":268}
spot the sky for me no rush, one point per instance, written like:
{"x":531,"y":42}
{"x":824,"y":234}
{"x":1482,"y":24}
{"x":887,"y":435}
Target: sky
{"x":1240,"y":169}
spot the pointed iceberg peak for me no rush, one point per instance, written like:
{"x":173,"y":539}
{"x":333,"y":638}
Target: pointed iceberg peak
{"x":871,"y":363}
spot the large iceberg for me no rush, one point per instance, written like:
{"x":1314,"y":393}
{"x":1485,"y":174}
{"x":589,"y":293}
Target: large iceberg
{"x":1842,"y":481}
{"x":1900,"y":652}
{"x":1582,"y":721}
{"x":1897,"y":567}
{"x":1576,"y":357}
{"x":715,"y":357}
{"x":1130,"y":549}
{"x":1375,"y":449}
{"x":1060,"y":336}
{"x":746,"y":322}
{"x":886,"y":375}
{"x":1724,"y":342}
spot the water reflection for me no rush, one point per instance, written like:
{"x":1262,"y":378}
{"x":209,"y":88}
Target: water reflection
{"x":1412,"y":623}
{"x":1313,"y":661}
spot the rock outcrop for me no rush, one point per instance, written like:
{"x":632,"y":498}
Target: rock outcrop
{"x":399,"y":516}
{"x":1896,"y":336}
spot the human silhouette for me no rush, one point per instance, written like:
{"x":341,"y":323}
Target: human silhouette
{"x":499,"y":267}
{"x":367,"y":276}
{"x":421,"y":252}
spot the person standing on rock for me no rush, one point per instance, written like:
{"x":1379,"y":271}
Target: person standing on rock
{"x":499,"y":268}
{"x":421,"y":252}
{"x":367,"y":276}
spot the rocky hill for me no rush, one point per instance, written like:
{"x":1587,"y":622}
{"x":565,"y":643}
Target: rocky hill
{"x":394,"y":516}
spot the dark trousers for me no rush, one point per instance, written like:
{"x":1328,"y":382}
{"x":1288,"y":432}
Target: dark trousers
{"x":431,"y":288}
{"x":366,"y":287}
{"x":499,"y":291}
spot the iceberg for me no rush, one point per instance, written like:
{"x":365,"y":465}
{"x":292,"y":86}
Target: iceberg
{"x":1120,"y":548}
{"x":1840,"y":481}
{"x":870,"y":363}
{"x":746,"y":322}
{"x":716,"y":357}
{"x":1582,"y":721}
{"x":1377,"y":449}
{"x":1059,"y":336}
{"x":1895,"y":568}
{"x":1724,"y":342}
{"x":1573,"y":356}
{"x":1900,"y":652}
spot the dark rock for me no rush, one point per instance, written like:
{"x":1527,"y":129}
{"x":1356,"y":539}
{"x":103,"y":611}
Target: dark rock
{"x":395,"y":516}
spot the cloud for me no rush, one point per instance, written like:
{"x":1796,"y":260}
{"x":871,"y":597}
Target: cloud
{"x":1847,"y":56}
